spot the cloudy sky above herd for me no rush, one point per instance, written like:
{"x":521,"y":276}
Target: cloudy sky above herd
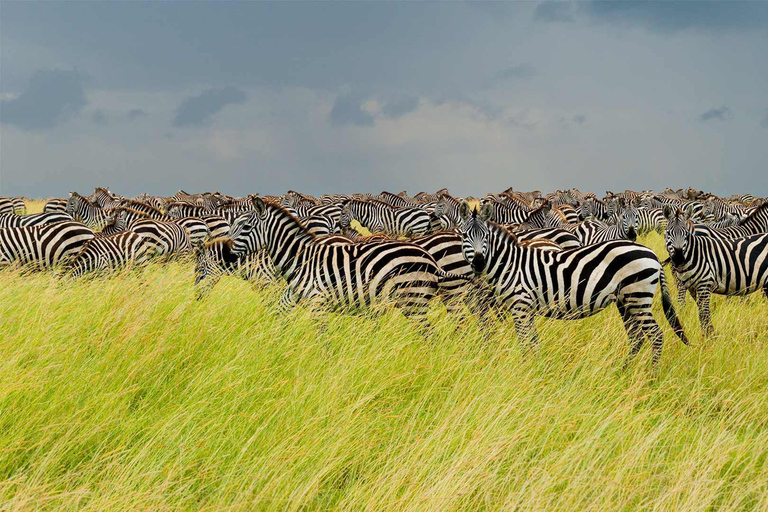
{"x":346,"y":97}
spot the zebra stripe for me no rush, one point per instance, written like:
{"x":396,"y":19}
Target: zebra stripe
{"x":709,"y":265}
{"x":111,"y":252}
{"x":380,"y":217}
{"x":570,"y":284}
{"x":83,"y":210}
{"x":55,"y":206}
{"x":166,"y":236}
{"x":36,"y":219}
{"x":46,"y":246}
{"x":343,"y":275}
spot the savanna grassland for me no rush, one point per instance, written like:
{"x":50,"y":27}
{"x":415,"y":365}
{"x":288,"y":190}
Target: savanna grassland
{"x":125,"y":393}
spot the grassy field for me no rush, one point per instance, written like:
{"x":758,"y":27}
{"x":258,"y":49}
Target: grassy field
{"x":124,"y":393}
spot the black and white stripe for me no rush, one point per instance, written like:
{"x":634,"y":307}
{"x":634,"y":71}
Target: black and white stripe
{"x":111,"y":252}
{"x":83,"y":210}
{"x":46,"y":245}
{"x":341,"y":275}
{"x":569,"y":284}
{"x":11,"y":220}
{"x":380,"y":217}
{"x":707,"y":265}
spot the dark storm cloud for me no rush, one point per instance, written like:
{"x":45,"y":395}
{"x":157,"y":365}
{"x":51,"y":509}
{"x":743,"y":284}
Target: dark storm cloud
{"x":719,"y":114}
{"x":579,"y":119}
{"x":520,"y":71}
{"x":198,"y":110}
{"x":347,"y":109}
{"x":672,"y":16}
{"x":401,"y":106}
{"x":554,"y":12}
{"x":52,"y":96}
{"x":136,"y":113}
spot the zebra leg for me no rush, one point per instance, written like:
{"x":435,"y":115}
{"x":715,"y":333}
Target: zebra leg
{"x":634,"y":332}
{"x":705,"y":316}
{"x":526,"y":329}
{"x":680,"y":289}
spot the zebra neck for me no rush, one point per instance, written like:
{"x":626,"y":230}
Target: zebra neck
{"x":503,"y":256}
{"x":286,"y":247}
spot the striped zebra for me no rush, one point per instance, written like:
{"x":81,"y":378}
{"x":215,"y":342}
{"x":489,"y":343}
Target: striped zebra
{"x":569,"y":284}
{"x":6,"y":205}
{"x":55,"y":205}
{"x":505,"y":213}
{"x":380,"y":217}
{"x":447,"y":211}
{"x":593,"y":208}
{"x":83,"y":210}
{"x":594,"y":232}
{"x":44,"y":246}
{"x":716,"y":208}
{"x":111,"y":252}
{"x":215,"y":259}
{"x":11,"y":220}
{"x":167,"y":237}
{"x":563,"y":238}
{"x":755,"y":223}
{"x":104,"y":198}
{"x":709,"y":265}
{"x":126,"y":217}
{"x":342,"y":275}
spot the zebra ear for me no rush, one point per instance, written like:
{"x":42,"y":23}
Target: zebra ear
{"x":688,"y":210}
{"x":668,"y":211}
{"x":486,"y":211}
{"x":258,"y":204}
{"x":464,"y":210}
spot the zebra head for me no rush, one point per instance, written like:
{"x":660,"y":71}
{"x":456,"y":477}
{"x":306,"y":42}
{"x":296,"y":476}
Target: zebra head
{"x":474,"y":235}
{"x":244,"y":235}
{"x":630,"y":222}
{"x":345,"y":219}
{"x":678,"y":234}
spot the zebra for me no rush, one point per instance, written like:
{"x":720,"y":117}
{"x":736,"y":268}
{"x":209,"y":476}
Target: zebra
{"x":83,"y":210}
{"x":572,"y":283}
{"x":6,"y":205}
{"x":709,"y":265}
{"x":166,"y":236}
{"x":43,"y":245}
{"x":593,"y":231}
{"x":503,"y":213}
{"x":197,"y":228}
{"x":11,"y":220}
{"x":593,"y":207}
{"x":215,"y":258}
{"x":717,"y":208}
{"x":55,"y":205}
{"x":104,"y":198}
{"x":447,"y":211}
{"x":111,"y":252}
{"x":563,"y":238}
{"x":380,"y":217}
{"x":344,"y":275}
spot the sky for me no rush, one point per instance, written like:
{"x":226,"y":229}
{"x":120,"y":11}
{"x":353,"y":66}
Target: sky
{"x":327,"y":97}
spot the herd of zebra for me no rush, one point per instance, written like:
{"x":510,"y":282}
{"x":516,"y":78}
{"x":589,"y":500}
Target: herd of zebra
{"x":515,"y":254}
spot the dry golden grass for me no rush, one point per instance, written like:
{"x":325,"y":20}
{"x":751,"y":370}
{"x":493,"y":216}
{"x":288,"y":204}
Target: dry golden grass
{"x":124,"y":393}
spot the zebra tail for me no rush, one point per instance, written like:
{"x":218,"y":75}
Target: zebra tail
{"x":669,"y":309}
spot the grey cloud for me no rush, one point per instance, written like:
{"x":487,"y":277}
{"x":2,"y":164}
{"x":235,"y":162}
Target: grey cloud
{"x":198,"y":110}
{"x":347,"y":109}
{"x":521,"y":71}
{"x":398,"y":108}
{"x":552,"y":11}
{"x":720,"y":114}
{"x":51,"y":98}
{"x":672,"y":16}
{"x":136,"y":113}
{"x":579,"y":119}
{"x":100,"y":118}
{"x":764,"y":122}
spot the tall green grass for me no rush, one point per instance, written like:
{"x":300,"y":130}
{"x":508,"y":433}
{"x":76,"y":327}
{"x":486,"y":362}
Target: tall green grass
{"x":124,"y":393}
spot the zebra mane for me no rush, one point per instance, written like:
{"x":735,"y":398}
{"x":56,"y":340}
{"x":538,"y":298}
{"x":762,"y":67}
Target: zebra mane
{"x":132,"y":204}
{"x":87,"y":201}
{"x":281,"y":210}
{"x":118,"y":209}
{"x":754,"y":214}
{"x":518,"y":201}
